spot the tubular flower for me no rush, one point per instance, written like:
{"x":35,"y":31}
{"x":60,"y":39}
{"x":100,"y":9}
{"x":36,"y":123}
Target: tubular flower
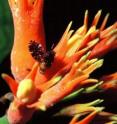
{"x":44,"y":78}
{"x":79,"y":110}
{"x":28,"y":25}
{"x":28,"y":96}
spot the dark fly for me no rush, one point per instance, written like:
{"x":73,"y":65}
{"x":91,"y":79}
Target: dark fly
{"x":45,"y":58}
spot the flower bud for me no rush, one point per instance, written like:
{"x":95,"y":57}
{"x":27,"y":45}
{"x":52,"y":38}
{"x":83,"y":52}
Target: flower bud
{"x":26,"y":91}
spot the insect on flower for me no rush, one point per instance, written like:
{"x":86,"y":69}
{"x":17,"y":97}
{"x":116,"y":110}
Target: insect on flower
{"x":59,"y":73}
{"x":45,"y":58}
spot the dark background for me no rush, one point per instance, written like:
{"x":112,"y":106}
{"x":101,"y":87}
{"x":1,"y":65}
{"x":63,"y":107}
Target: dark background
{"x":57,"y":15}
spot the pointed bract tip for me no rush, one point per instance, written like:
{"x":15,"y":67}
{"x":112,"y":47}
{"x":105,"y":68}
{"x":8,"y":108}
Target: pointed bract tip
{"x":100,"y":63}
{"x":99,"y":12}
{"x":3,"y":75}
{"x":86,"y":12}
{"x":70,"y":24}
{"x":99,"y":109}
{"x":40,"y":106}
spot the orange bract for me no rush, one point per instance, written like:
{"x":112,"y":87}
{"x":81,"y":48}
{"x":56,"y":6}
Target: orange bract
{"x":73,"y":63}
{"x":28,"y":24}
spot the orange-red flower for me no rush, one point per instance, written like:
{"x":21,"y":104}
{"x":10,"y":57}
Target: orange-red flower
{"x":70,"y":70}
{"x":28,"y":25}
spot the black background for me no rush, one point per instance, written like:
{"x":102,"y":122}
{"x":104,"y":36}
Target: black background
{"x":58,"y":13}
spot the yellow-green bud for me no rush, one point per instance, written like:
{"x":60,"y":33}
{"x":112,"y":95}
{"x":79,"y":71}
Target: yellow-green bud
{"x":26,"y":91}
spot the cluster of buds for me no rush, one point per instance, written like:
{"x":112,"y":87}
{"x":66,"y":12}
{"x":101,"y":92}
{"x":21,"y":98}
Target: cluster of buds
{"x":66,"y":69}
